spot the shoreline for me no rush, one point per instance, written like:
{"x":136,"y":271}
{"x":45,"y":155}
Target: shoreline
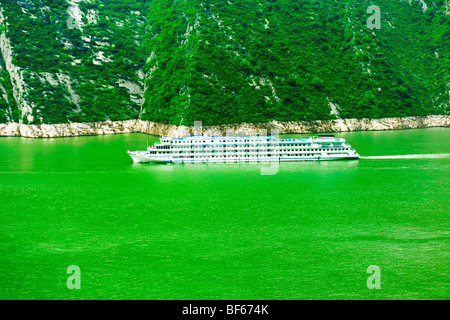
{"x":159,"y":129}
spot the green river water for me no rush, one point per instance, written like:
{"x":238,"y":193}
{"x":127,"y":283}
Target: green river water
{"x":309,"y":230}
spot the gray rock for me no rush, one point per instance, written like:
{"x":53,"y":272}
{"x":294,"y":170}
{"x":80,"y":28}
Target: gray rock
{"x":274,"y":127}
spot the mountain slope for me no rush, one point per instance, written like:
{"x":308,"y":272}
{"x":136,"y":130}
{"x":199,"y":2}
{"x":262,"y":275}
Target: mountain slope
{"x":221,"y":61}
{"x":70,"y":61}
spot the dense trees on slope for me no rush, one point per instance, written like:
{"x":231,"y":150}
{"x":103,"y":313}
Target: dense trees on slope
{"x":256,"y":61}
{"x":94,"y":57}
{"x":223,"y":61}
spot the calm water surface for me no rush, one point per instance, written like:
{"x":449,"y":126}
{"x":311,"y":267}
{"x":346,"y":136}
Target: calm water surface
{"x":225,"y":231}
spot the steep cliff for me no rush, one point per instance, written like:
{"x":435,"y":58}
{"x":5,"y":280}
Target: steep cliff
{"x":64,"y":61}
{"x":221,"y":61}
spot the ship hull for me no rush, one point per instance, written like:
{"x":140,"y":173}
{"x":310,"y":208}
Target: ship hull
{"x":142,"y":157}
{"x":147,"y":159}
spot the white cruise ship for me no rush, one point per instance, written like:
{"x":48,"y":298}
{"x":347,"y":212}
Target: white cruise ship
{"x":201,"y":149}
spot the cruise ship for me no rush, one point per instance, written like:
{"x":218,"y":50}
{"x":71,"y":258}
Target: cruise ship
{"x":202,"y":149}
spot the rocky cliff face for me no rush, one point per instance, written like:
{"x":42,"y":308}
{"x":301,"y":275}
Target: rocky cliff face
{"x":70,"y":61}
{"x":221,"y":62}
{"x":128,"y":126}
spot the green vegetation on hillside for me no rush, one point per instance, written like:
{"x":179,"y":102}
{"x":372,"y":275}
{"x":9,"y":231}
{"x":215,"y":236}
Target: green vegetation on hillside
{"x":223,"y":61}
{"x":43,"y":44}
{"x":302,"y":56}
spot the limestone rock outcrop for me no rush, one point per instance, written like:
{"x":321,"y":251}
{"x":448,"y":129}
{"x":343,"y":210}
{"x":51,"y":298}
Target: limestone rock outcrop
{"x":160,"y":129}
